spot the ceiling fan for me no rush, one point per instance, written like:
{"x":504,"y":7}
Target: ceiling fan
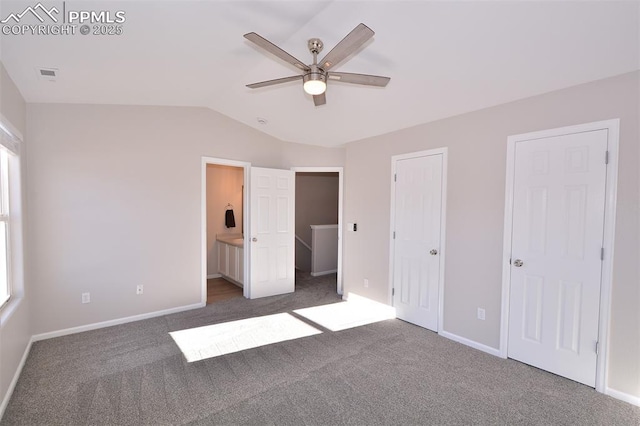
{"x":316,"y":75}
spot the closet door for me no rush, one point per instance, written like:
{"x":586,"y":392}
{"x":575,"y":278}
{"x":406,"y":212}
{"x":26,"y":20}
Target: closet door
{"x":418,"y":188}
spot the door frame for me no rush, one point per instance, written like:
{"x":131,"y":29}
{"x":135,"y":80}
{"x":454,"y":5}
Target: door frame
{"x":443,"y":224}
{"x":246,"y":288}
{"x":340,"y":171}
{"x":613,"y":131}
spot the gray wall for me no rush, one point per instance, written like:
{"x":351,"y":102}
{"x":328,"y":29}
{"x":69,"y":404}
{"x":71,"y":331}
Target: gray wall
{"x":316,"y":204}
{"x":298,"y":155}
{"x":15,"y":329}
{"x":325,"y":249}
{"x":316,"y":201}
{"x":475,"y":210}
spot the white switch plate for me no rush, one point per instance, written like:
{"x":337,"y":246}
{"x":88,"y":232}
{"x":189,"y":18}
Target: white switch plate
{"x":86,"y":297}
{"x":481,"y":314}
{"x":366,"y":282}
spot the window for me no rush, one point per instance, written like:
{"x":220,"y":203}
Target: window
{"x":5,"y":282}
{"x":10,"y":140}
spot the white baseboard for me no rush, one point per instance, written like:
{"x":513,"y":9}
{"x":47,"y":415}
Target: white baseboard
{"x":16,"y":376}
{"x":318,"y":274}
{"x":110,"y":323}
{"x":214,"y":276}
{"x":622,"y":396}
{"x":469,"y":342}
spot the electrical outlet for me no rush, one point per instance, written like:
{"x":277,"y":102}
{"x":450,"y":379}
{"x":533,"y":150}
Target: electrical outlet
{"x":139,"y":289}
{"x":86,"y":297}
{"x":481,"y":314}
{"x":366,"y":283}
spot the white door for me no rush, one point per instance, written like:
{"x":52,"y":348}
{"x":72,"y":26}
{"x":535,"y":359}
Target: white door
{"x":416,"y":248}
{"x":557,"y":238}
{"x":271,"y":234}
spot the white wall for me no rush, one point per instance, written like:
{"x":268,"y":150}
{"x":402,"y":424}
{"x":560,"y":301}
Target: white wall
{"x":475,"y":210}
{"x":15,"y":329}
{"x":224,"y":186}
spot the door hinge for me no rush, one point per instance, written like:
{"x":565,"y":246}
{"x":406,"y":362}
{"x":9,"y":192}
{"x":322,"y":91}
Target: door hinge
{"x":394,"y":235}
{"x":393,"y":291}
{"x":510,"y":261}
{"x":606,"y":157}
{"x":597,"y":347}
{"x":395,"y":177}
{"x":602,"y":253}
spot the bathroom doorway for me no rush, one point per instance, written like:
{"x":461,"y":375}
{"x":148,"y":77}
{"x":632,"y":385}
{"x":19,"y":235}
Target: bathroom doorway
{"x":224,"y":220}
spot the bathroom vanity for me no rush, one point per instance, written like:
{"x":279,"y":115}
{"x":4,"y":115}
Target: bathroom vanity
{"x":231,"y":257}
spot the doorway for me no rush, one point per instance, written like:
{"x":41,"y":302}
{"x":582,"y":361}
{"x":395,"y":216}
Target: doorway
{"x":558,"y":249}
{"x":319,"y":184}
{"x":418,"y":194}
{"x":225,"y":250}
{"x":224,"y":265}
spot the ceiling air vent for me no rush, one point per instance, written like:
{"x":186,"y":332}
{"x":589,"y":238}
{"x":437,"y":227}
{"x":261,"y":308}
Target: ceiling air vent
{"x":47,"y":74}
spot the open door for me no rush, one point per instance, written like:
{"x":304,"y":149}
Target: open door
{"x":272,"y":232}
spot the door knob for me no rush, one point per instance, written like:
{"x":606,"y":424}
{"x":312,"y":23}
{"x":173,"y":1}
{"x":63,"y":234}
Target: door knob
{"x":518,"y":263}
{"x":433,"y":252}
{"x":254,"y":239}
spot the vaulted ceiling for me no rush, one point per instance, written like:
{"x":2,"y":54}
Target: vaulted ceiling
{"x":444,"y":58}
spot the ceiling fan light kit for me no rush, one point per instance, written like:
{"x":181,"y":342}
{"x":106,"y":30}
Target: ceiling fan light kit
{"x":315,"y":76}
{"x":315,"y":81}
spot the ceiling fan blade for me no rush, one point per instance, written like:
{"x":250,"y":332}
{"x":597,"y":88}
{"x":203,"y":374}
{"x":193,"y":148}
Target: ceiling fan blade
{"x":320,"y":99}
{"x":356,"y":38}
{"x":272,"y":82}
{"x":275,"y":50}
{"x":368,"y":80}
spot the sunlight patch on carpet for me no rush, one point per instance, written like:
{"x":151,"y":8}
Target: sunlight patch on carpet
{"x":219,"y":339}
{"x":355,"y":312}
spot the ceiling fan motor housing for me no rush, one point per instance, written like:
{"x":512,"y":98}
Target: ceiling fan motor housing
{"x":315,"y":73}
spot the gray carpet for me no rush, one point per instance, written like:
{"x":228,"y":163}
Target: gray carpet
{"x":389,"y":372}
